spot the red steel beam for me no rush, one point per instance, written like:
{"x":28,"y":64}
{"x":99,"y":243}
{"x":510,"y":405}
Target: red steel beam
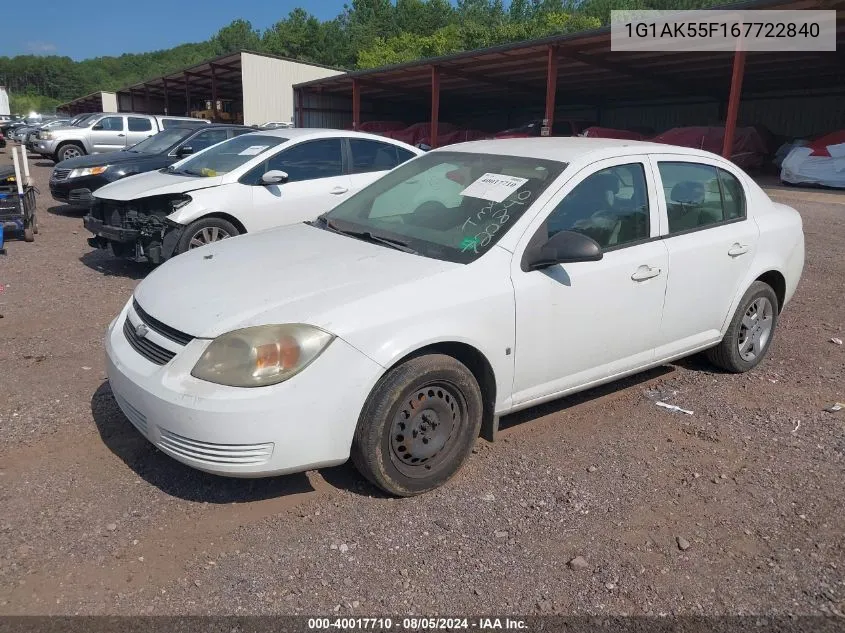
{"x":435,"y":103}
{"x":551,"y":86}
{"x":356,"y":104}
{"x":733,"y":101}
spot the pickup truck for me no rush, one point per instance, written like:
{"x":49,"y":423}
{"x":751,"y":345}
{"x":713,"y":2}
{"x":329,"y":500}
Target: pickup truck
{"x":105,"y":133}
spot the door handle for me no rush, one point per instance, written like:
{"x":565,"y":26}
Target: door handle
{"x":645,"y":272}
{"x":738,"y":249}
{"x":339,"y":190}
{"x":121,"y":134}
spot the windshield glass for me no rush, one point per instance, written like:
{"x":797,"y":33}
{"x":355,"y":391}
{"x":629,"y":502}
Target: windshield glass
{"x":228,"y":155}
{"x":162,"y":141}
{"x":447,"y":205}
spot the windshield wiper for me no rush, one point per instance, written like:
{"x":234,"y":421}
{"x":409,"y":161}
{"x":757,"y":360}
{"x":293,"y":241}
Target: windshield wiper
{"x":391,"y":242}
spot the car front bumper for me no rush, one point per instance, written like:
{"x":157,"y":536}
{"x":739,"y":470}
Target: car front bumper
{"x":45,"y":148}
{"x":305,"y":422}
{"x":76,"y":191}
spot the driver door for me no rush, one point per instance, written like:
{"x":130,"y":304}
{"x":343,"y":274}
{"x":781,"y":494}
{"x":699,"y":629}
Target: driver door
{"x":317,"y":182}
{"x":583,"y":322}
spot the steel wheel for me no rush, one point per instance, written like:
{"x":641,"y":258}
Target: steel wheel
{"x":423,"y":427}
{"x":755,"y":329}
{"x":207,"y":235}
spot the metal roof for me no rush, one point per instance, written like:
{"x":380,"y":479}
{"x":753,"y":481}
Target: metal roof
{"x":225,"y":68}
{"x":589,"y":73}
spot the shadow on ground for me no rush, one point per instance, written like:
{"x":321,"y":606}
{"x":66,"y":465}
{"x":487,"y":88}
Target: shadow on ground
{"x":174,"y":478}
{"x":45,"y":163}
{"x":103,"y":261}
{"x":67,"y":211}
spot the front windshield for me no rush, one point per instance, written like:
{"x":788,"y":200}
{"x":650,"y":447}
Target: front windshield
{"x":162,"y":141}
{"x":224,"y":157}
{"x":447,"y":205}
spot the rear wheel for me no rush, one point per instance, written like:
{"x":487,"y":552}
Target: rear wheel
{"x":28,"y":235}
{"x":750,"y":332}
{"x":418,"y":425}
{"x":205,"y":231}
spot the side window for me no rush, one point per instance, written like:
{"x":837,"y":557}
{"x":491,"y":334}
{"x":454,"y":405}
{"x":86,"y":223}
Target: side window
{"x":370,"y":156}
{"x":309,"y":160}
{"x":403,"y":155}
{"x":693,"y":195}
{"x":137,"y":124}
{"x":110,"y":124}
{"x":733,"y":196}
{"x":246,"y":130}
{"x":610,"y":206}
{"x":206,"y":139}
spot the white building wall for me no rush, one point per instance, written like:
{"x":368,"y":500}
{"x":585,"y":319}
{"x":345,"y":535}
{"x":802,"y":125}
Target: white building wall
{"x":109,"y":100}
{"x":268,"y":86}
{"x":4,"y":101}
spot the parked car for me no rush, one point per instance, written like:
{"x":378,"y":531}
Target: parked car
{"x":105,"y":133}
{"x":74,"y":180}
{"x":274,"y":125}
{"x":471,"y":282}
{"x":30,"y":136}
{"x":246,"y":184}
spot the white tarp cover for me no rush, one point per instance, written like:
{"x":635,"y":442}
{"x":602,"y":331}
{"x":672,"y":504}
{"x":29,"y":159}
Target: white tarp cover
{"x":804,"y":165}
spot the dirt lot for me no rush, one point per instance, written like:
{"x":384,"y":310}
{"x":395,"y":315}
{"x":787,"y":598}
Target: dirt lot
{"x":94,"y":520}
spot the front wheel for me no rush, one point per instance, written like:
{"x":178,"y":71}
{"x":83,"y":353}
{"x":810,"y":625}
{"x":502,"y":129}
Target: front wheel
{"x":71,"y":150}
{"x":418,"y":426}
{"x":205,"y":231}
{"x":750,"y":332}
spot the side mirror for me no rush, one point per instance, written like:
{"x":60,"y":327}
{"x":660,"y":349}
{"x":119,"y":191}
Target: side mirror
{"x":185,"y":150}
{"x":274,"y":177}
{"x":99,"y":126}
{"x":565,"y":247}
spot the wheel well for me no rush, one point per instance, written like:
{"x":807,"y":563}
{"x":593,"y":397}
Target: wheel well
{"x":778,"y":283}
{"x":474,"y":360}
{"x":64,"y":143}
{"x":225,"y":216}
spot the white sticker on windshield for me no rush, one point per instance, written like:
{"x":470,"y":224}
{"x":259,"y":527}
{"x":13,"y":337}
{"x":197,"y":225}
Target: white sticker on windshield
{"x":494,"y":187}
{"x":252,"y":150}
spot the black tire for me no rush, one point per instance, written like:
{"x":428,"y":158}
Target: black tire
{"x":28,"y":235}
{"x":441,"y":435}
{"x":34,"y":223}
{"x":68,"y":148}
{"x":205,"y":226}
{"x":727,"y":354}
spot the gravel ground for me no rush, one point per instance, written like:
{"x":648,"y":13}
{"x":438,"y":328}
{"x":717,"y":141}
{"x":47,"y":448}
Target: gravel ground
{"x":736,"y":509}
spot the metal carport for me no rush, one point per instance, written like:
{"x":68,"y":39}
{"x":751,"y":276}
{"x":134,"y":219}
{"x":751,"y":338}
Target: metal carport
{"x":576,"y":71}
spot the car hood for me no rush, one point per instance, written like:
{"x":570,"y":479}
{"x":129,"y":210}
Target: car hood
{"x":293,"y":274}
{"x":112,"y":158}
{"x":154,"y":183}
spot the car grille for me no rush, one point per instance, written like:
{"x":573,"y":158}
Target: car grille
{"x":157,"y":326}
{"x":60,"y":174}
{"x":151,"y":351}
{"x":246,"y":454}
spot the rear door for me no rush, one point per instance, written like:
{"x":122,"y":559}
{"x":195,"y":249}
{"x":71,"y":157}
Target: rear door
{"x":369,"y":160}
{"x":317,"y":182}
{"x":711,"y":243}
{"x":139,"y":128}
{"x":109,"y":134}
{"x":201,"y":140}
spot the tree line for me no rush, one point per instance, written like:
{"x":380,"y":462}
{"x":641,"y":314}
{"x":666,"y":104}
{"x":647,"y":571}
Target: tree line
{"x":366,"y":34}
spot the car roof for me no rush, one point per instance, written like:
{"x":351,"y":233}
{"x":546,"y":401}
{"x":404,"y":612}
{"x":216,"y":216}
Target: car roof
{"x":292,"y":133}
{"x":571,"y":148}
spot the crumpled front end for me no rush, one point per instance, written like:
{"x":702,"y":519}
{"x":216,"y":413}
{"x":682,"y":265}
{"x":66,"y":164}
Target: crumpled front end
{"x":137,"y":230}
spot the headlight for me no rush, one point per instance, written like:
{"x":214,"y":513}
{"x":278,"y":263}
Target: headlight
{"x":46,"y":136}
{"x":79,"y":172}
{"x":262,"y":355}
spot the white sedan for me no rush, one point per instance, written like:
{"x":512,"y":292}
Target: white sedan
{"x":471,"y":282}
{"x":246,"y":184}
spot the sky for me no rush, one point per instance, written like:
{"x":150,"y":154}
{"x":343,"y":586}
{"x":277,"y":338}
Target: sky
{"x":84,"y":28}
